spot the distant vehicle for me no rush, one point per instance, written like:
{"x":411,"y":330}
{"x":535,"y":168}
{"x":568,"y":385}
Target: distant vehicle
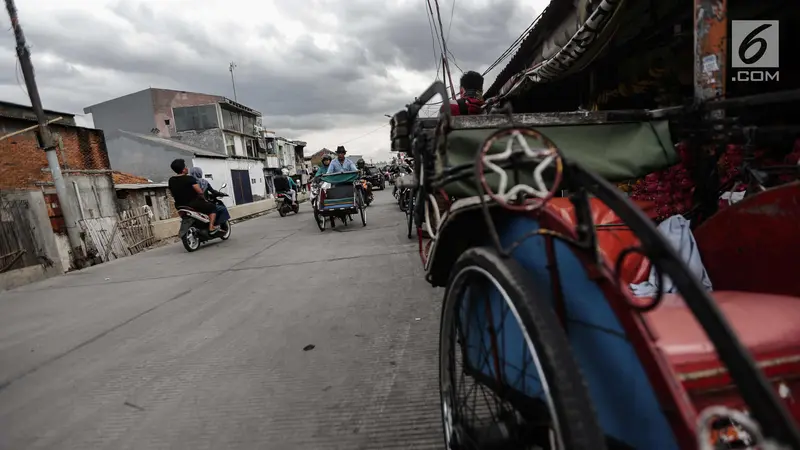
{"x":374,"y":176}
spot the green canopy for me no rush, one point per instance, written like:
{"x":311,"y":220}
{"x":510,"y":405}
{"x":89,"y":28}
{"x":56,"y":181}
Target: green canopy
{"x":616,"y":151}
{"x":340,"y":177}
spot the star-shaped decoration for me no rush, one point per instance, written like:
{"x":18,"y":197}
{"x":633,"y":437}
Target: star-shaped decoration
{"x":540,"y":190}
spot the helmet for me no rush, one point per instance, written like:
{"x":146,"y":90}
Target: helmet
{"x":361,"y":163}
{"x":285,"y":172}
{"x":326,"y":158}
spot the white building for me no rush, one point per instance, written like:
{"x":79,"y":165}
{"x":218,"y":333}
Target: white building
{"x":149,"y":156}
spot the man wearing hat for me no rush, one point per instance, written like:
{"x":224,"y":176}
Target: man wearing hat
{"x":341,"y":164}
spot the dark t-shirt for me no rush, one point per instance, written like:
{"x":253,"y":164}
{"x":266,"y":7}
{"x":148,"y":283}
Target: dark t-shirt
{"x":182,"y":188}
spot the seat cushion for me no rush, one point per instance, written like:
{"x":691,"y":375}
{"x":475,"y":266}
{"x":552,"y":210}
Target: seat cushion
{"x":768,"y":325}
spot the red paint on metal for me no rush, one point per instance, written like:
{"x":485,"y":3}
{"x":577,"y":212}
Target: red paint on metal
{"x":754,"y":244}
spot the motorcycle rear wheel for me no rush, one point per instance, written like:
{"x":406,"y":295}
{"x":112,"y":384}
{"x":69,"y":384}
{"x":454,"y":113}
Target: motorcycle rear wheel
{"x":227,"y":231}
{"x":190,"y":240}
{"x":281,"y":211}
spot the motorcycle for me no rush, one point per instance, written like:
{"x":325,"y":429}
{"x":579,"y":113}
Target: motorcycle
{"x":366,"y":186}
{"x":194,"y":225}
{"x":285,"y":205}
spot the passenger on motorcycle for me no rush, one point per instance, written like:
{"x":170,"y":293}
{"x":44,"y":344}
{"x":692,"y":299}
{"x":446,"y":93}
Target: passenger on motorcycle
{"x":209,"y":193}
{"x":186,"y":191}
{"x":323,"y":168}
{"x":341,"y":164}
{"x":292,"y":185}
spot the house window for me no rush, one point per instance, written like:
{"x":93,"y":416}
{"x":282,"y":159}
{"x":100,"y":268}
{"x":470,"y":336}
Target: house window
{"x":249,"y":123}
{"x":166,"y":122}
{"x":231,"y":120}
{"x":230,"y":147}
{"x":252,"y":181}
{"x":209,"y":176}
{"x":195,"y":117}
{"x":251,"y":147}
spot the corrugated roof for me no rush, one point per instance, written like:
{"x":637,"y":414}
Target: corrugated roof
{"x":174,"y":144}
{"x":552,"y":16}
{"x":127,"y":178}
{"x":47,"y":111}
{"x":141,"y":186}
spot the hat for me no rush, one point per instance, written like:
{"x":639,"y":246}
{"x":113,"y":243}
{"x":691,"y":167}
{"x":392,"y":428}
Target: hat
{"x":340,"y":149}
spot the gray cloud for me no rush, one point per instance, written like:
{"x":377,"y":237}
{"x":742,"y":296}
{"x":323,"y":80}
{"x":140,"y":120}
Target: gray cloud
{"x":306,"y":88}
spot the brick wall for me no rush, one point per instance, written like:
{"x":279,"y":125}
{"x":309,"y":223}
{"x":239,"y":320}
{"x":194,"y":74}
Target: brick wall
{"x":22,"y":160}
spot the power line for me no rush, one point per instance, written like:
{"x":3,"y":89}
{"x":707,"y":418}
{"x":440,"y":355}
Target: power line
{"x":455,"y":61}
{"x":444,"y":47}
{"x":450,"y":25}
{"x":366,"y":134}
{"x":513,"y":46}
{"x":436,"y":61}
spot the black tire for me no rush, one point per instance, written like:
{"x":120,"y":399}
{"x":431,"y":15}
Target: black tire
{"x":281,"y":211}
{"x":362,"y":211}
{"x":402,"y":200}
{"x":189,"y":244}
{"x":320,"y":220}
{"x":576,"y":418}
{"x":410,"y":215}
{"x":227,"y":231}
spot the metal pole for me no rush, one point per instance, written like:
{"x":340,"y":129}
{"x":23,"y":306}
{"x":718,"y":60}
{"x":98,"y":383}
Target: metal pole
{"x":233,"y":81}
{"x":24,"y":55}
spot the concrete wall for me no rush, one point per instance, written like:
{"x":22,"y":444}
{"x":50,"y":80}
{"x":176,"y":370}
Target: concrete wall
{"x":162,"y":203}
{"x":211,"y":140}
{"x":143,"y":159}
{"x":96,"y":194}
{"x":44,"y":240}
{"x":132,"y":112}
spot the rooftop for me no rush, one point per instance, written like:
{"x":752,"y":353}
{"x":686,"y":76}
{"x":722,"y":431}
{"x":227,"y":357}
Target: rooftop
{"x":220,"y":99}
{"x":172,"y":143}
{"x":121,"y":178}
{"x":30,"y":108}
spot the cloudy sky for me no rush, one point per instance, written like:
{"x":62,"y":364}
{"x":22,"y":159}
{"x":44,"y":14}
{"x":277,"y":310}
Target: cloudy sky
{"x":324,"y":71}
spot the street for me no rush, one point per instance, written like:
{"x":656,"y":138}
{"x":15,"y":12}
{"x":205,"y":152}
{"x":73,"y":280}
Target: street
{"x":213,"y":349}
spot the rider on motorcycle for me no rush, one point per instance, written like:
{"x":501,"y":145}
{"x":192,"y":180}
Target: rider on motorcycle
{"x":186,"y":191}
{"x":292,"y":191}
{"x":361,"y":165}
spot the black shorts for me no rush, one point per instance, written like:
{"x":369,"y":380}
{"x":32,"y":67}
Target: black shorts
{"x":202,"y":206}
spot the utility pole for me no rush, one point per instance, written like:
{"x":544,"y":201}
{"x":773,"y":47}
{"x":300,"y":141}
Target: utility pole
{"x":444,"y":48}
{"x":233,"y":80}
{"x":47,"y":141}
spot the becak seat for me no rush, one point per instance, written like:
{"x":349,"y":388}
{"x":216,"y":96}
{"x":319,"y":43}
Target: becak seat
{"x":767,"y":324}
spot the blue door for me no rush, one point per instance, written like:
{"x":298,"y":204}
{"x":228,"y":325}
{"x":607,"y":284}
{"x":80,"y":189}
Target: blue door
{"x":242,"y":191}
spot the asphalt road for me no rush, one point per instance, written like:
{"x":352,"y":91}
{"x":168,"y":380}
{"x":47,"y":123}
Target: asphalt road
{"x":167,"y":349}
